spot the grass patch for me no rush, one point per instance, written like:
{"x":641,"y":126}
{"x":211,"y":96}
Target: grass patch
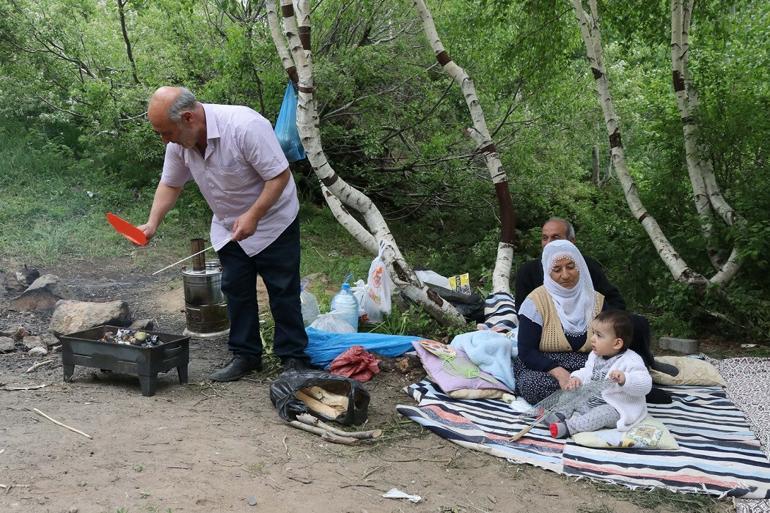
{"x":659,"y":498}
{"x":54,"y":206}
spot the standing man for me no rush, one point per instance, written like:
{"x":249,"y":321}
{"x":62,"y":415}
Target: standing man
{"x":232,"y":154}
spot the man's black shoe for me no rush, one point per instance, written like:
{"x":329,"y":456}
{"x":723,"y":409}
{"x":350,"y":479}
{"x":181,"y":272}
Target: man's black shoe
{"x":296,"y":364}
{"x":658,"y":396}
{"x":238,"y":367}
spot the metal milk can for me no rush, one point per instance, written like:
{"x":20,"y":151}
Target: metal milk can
{"x":205,"y":304}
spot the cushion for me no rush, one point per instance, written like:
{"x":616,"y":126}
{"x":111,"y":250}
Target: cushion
{"x":650,"y":433}
{"x":451,"y":369}
{"x":480,"y":393}
{"x":692,"y":371}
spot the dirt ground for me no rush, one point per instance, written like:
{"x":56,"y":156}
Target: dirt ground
{"x":206,"y":447}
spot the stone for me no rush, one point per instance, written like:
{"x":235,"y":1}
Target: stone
{"x":143,"y":324}
{"x":41,"y":295}
{"x":679,"y":345}
{"x":50,"y":341}
{"x":27,"y":276}
{"x":38,"y":351}
{"x":252,"y":500}
{"x":7,"y":345}
{"x":71,"y":316}
{"x":32,"y":341}
{"x":20,"y":333}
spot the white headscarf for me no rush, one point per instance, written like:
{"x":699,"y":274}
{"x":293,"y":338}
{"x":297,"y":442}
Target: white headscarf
{"x":575,"y":306}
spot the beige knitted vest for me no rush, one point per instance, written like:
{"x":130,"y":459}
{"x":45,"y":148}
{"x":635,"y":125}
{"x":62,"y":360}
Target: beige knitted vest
{"x":553,"y":340}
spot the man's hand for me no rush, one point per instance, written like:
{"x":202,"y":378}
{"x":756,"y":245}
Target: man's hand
{"x":573,"y":383}
{"x":618,"y":377}
{"x":561,"y":375}
{"x":244,"y":226}
{"x":148,"y":229}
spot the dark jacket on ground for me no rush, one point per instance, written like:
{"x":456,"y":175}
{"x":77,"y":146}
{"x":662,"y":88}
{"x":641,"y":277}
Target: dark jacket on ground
{"x":530,"y":276}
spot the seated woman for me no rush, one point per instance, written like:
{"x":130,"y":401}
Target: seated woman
{"x":555,"y":323}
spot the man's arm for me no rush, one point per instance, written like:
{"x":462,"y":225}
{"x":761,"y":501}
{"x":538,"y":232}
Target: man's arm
{"x":612,"y":296}
{"x":527,"y":280}
{"x":165,"y":199}
{"x":246,"y":224}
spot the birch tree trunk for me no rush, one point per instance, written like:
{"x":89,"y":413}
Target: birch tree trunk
{"x":589,"y":29}
{"x":340,"y":195}
{"x":501,"y":276}
{"x":708,"y":197}
{"x":679,"y":50}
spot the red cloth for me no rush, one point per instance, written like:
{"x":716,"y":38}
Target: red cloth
{"x":355,"y":363}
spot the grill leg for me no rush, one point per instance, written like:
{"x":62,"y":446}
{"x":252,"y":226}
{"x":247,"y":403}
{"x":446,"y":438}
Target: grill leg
{"x":182,"y":371}
{"x":148,"y":383}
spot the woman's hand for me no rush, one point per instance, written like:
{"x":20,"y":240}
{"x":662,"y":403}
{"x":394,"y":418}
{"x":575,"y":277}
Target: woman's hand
{"x":561,"y":375}
{"x":573,"y":383}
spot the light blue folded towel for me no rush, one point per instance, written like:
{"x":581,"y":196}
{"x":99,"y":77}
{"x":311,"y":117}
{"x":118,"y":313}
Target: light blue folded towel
{"x":491,"y":351}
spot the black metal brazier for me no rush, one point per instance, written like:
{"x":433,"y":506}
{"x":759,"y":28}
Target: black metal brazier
{"x":86,"y":348}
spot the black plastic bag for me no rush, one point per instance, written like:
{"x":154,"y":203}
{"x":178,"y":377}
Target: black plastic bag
{"x":284,"y":387}
{"x":470,"y":306}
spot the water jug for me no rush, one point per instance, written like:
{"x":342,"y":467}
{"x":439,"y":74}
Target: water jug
{"x":310,"y":310}
{"x":345,"y":306}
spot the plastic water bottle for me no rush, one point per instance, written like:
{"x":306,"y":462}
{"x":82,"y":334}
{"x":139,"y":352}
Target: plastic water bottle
{"x":345,"y":306}
{"x":309,"y":305}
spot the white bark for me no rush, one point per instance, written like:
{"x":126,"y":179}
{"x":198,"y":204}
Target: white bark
{"x":339,"y":212}
{"x":715,"y":197}
{"x":707,"y":194}
{"x":308,"y":126}
{"x":501,"y":276}
{"x":679,"y":52}
{"x":589,"y":30}
{"x":275,"y":32}
{"x":349,"y":222}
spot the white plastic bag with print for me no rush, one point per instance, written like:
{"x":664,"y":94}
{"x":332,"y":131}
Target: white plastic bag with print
{"x":376,"y":298}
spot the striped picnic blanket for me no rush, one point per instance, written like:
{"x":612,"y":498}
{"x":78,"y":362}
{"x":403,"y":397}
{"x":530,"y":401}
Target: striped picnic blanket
{"x":718,"y":454}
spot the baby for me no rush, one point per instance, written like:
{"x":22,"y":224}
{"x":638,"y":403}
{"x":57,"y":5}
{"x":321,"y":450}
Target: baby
{"x":623,"y":403}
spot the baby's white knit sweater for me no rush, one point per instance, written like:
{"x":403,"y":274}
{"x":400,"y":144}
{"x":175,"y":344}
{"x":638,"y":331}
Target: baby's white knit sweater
{"x":629,"y":400}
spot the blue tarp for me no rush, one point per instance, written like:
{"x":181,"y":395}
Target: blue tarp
{"x":323,"y":346}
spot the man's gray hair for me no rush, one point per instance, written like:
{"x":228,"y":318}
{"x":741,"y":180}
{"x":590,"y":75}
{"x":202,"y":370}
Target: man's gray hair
{"x":185,"y":102}
{"x":567,"y":225}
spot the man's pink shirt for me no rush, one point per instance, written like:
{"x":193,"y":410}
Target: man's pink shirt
{"x":242,"y":152}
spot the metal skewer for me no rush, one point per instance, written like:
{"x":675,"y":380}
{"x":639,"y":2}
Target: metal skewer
{"x":182,"y":260}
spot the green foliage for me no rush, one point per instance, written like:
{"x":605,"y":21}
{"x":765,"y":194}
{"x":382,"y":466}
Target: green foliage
{"x":392,"y":125}
{"x":54,"y":204}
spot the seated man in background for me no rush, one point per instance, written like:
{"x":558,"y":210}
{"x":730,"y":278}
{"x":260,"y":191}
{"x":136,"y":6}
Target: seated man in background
{"x":530,"y":276}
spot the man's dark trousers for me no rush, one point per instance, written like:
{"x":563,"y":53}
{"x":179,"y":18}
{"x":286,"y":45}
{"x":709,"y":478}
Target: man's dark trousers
{"x":278,"y":264}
